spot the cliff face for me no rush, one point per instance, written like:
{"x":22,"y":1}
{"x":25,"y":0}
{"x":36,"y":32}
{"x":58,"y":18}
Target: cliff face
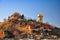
{"x":18,"y":22}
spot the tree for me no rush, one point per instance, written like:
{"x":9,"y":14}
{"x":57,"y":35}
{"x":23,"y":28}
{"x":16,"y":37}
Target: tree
{"x":22,"y":16}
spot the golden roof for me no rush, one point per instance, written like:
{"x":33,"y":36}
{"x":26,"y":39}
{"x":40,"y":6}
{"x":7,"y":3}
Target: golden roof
{"x":40,"y":15}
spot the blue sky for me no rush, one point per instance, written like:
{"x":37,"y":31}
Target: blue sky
{"x":31,"y":8}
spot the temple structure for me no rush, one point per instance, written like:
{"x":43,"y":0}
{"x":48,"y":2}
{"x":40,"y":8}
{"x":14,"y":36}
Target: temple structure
{"x":40,"y":18}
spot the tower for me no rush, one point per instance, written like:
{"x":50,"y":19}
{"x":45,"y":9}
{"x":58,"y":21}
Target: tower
{"x":40,"y":18}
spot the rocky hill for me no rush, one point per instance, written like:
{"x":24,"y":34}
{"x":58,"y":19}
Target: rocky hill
{"x":17,"y":24}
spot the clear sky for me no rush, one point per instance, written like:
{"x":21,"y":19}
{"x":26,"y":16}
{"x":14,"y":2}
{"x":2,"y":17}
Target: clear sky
{"x":31,"y":8}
